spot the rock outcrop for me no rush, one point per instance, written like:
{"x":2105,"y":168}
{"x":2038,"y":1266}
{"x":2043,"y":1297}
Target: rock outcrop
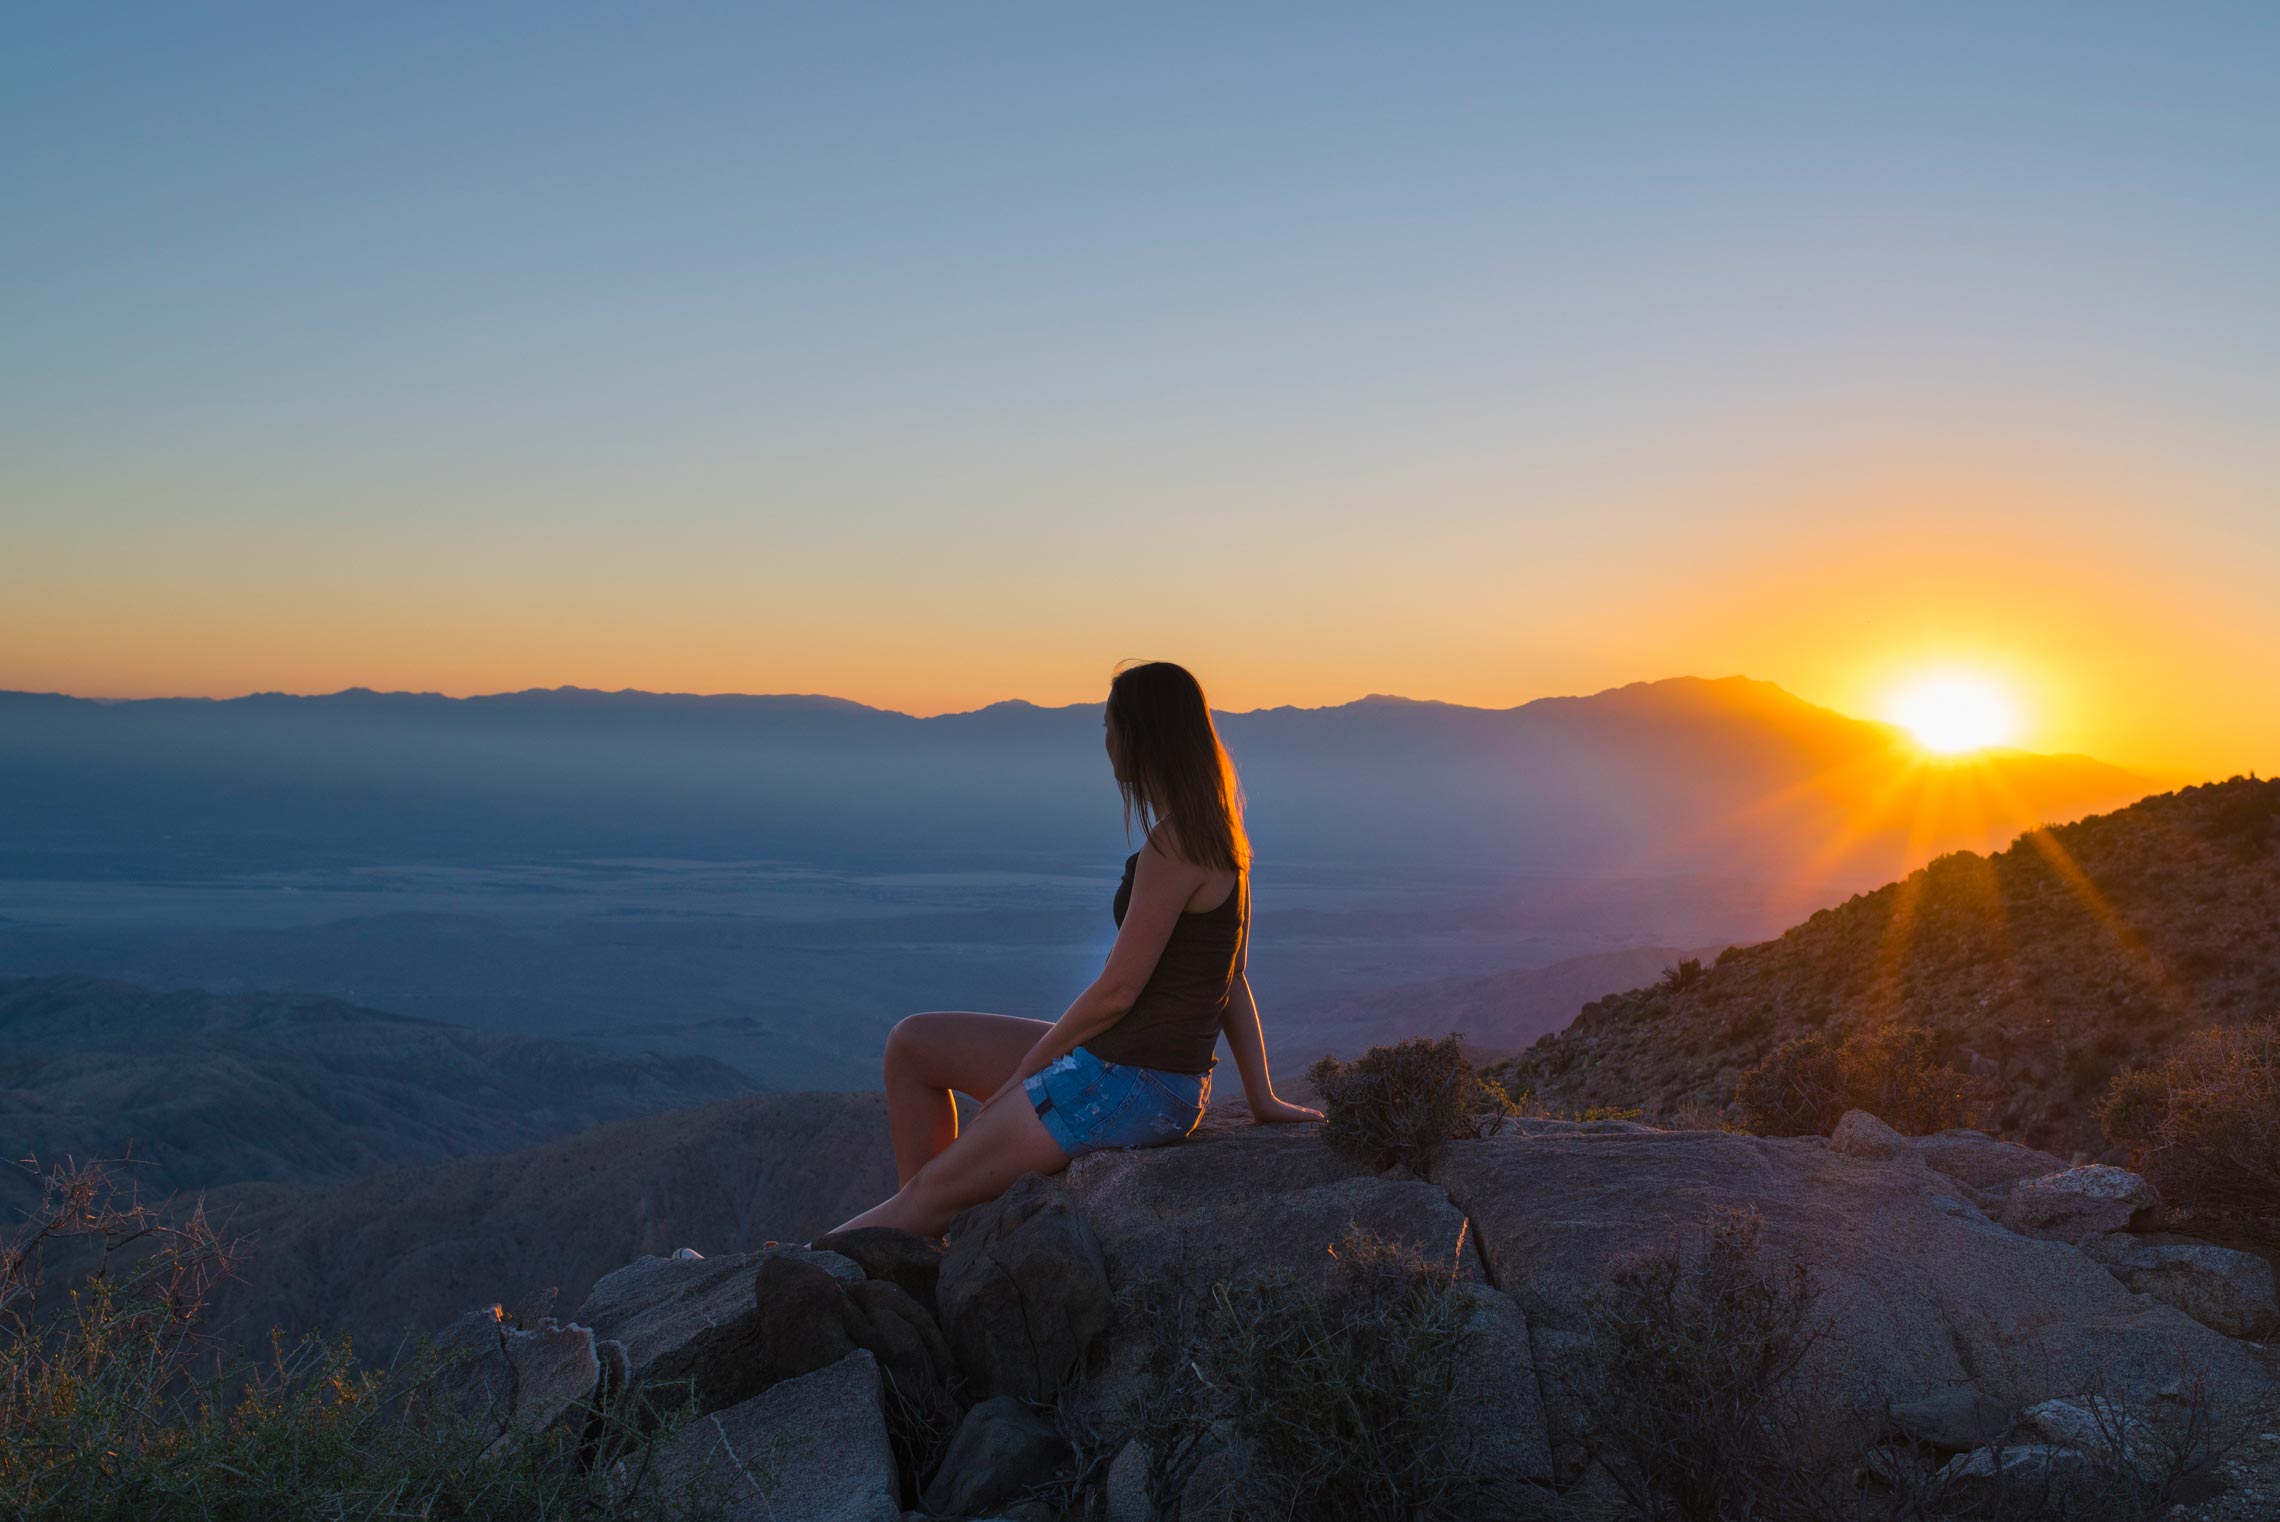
{"x":2223,"y":1289}
{"x":1918,"y":1290}
{"x":827,"y":1386}
{"x":1023,"y":1293}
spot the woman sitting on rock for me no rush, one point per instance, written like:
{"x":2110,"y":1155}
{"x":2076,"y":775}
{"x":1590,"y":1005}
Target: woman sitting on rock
{"x":1129,"y":1064}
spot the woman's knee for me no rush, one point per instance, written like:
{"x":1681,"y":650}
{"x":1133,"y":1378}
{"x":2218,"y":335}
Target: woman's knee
{"x":906,"y":1046}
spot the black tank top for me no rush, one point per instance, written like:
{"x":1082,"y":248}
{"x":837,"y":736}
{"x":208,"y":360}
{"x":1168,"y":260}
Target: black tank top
{"x":1174,"y":1025}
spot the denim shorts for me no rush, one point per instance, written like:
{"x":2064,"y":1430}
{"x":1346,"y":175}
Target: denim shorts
{"x":1089,"y":1105}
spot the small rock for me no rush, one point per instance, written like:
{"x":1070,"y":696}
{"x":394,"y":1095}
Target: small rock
{"x":521,"y":1378}
{"x":914,"y":1357}
{"x":1860,"y":1134}
{"x":1986,"y":1166}
{"x":1001,"y":1449}
{"x":797,"y":1326}
{"x":2078,"y":1203}
{"x":813,"y":1448}
{"x":2227,"y":1291}
{"x":1126,"y":1492}
{"x":2020,"y":1476}
{"x":2097,"y":1428}
{"x":1955,"y":1420}
{"x":898,"y":1257}
{"x":653,"y":1304}
{"x":1216,"y":1488}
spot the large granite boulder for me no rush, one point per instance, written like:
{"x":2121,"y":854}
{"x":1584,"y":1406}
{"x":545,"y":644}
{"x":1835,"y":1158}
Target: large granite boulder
{"x":2223,"y":1289}
{"x":1245,"y":1199}
{"x":657,"y":1303}
{"x":1240,"y":1201}
{"x":1024,"y":1296}
{"x":1918,"y":1291}
{"x":811,"y":1449}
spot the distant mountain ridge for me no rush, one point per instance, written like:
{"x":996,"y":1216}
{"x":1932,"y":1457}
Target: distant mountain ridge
{"x":1685,"y":775}
{"x":2048,"y":966}
{"x":1497,"y":1014}
{"x":206,"y":1090}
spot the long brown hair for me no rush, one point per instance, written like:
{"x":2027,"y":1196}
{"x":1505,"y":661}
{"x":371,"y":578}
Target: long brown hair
{"x":1170,"y":764}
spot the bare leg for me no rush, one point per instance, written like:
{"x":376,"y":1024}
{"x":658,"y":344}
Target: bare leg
{"x":930,"y":1055}
{"x":1005,"y":1141}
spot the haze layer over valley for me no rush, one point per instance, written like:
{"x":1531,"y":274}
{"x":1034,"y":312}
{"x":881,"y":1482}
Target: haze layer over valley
{"x":772,"y":881}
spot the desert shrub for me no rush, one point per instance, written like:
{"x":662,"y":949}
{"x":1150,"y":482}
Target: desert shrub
{"x":1901,"y":1074}
{"x":1404,"y":1104}
{"x":2247,"y":817}
{"x":1699,"y":1390}
{"x":2204,"y":1124}
{"x":115,"y":1404}
{"x":1798,"y":1090}
{"x":1745,"y":1026}
{"x":1346,"y":1391}
{"x":2091,"y":1063}
{"x":1683,"y":975}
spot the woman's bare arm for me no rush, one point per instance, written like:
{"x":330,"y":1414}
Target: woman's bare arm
{"x":1249,"y":1043}
{"x":1161,"y":886}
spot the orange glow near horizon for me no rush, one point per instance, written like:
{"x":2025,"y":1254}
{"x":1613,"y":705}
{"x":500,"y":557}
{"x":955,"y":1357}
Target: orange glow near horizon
{"x":2100,"y":639}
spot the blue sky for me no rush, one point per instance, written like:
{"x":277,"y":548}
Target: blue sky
{"x":931,"y":354}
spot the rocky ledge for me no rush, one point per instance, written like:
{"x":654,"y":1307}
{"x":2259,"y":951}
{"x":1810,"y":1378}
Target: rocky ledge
{"x":1981,"y":1302}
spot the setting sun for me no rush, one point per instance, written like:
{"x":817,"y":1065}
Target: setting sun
{"x":1952,"y":713}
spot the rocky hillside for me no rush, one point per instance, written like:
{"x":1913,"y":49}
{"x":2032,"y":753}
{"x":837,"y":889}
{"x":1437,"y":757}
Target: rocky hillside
{"x":207,"y":1090}
{"x":1976,"y":1310}
{"x":407,"y":1247}
{"x":2047,"y":966}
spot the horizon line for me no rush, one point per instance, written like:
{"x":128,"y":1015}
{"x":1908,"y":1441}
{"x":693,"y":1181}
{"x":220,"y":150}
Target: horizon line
{"x":360,"y":690}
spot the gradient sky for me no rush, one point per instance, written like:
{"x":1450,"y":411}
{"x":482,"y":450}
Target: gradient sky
{"x":929,"y":355}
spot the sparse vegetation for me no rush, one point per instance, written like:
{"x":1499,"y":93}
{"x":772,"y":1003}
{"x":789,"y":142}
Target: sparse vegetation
{"x":1698,"y":1388}
{"x":1404,"y":1104}
{"x":114,"y":1403}
{"x":1900,"y":1074}
{"x":2204,"y":1124}
{"x":2081,"y":950}
{"x":1342,"y":1393}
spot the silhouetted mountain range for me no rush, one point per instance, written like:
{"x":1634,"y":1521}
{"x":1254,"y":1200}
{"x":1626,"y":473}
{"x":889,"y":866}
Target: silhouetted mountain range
{"x":1497,"y":1014}
{"x":1731,"y":775}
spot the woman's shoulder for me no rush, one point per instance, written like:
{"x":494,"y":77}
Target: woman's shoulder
{"x":1164,"y":841}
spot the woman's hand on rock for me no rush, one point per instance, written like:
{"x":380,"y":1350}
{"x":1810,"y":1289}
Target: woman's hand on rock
{"x":1277,"y":1111}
